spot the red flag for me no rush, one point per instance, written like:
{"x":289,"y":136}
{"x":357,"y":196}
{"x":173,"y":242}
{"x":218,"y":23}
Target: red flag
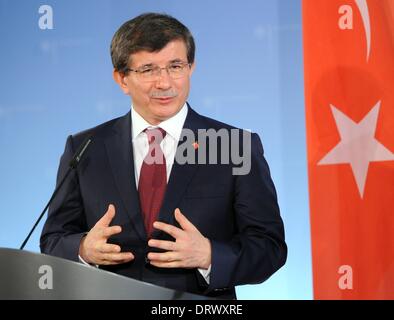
{"x":349,"y":92}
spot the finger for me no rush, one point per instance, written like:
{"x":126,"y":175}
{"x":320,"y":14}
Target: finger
{"x":110,"y":231}
{"x":167,"y":228}
{"x":118,"y":257}
{"x":173,"y":264}
{"x":168,"y":256}
{"x":107,"y":217}
{"x":109,"y":248}
{"x":166,"y":245}
{"x":183,"y":221}
{"x":113,"y":262}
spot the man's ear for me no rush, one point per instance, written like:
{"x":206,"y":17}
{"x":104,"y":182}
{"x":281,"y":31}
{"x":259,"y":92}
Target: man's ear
{"x":121,"y":80}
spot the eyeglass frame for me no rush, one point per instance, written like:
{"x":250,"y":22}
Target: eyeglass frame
{"x":156,"y":67}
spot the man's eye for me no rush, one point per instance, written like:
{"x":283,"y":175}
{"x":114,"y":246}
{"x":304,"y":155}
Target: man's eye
{"x":146,"y":71}
{"x":175,"y":67}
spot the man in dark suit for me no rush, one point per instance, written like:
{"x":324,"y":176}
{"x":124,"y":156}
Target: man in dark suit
{"x":134,"y":207}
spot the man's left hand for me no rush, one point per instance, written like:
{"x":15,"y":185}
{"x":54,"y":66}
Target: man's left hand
{"x":189,"y":250}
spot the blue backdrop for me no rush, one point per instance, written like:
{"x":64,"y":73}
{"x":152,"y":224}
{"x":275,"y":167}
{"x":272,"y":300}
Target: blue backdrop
{"x":55,"y":82}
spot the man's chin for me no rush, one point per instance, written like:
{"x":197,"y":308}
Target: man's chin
{"x":165,"y":112}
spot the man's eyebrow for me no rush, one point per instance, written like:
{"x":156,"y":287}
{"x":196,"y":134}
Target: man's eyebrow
{"x":147,"y":65}
{"x":176,"y":60}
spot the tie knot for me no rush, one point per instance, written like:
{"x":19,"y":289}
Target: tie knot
{"x":155,"y":136}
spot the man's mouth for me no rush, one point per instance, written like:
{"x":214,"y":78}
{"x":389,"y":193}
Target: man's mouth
{"x":164,"y":100}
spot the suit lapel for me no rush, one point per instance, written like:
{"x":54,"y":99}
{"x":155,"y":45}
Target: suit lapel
{"x":121,"y":159}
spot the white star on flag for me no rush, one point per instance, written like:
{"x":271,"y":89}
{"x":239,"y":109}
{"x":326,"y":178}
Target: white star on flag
{"x":358,"y":145}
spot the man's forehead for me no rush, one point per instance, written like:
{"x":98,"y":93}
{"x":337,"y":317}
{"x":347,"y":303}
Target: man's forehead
{"x":173,"y":51}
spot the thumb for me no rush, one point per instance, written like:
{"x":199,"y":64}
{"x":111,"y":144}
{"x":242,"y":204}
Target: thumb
{"x":107,"y":217}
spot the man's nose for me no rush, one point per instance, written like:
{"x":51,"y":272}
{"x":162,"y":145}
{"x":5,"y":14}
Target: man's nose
{"x":163,"y":80}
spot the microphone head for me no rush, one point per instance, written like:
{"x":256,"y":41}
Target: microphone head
{"x":80,"y":152}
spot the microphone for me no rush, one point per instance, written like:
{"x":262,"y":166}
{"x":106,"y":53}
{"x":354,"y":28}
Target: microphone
{"x":76,"y":159}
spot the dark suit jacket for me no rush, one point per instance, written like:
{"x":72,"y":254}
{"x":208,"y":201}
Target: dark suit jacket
{"x":239,"y":214}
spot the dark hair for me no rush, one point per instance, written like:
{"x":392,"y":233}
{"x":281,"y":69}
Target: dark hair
{"x":150,"y":32}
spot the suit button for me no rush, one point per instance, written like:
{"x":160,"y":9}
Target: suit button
{"x":147,"y":261}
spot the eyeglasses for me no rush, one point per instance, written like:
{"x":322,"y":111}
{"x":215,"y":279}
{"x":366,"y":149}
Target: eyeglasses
{"x":175,"y":70}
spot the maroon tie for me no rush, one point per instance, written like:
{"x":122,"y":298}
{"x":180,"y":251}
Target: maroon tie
{"x":153,"y":179}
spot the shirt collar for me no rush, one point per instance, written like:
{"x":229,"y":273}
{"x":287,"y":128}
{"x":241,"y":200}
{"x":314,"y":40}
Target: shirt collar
{"x":173,"y":126}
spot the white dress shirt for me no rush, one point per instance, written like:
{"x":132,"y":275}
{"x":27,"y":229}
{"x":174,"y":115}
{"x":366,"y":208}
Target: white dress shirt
{"x":173,"y":127}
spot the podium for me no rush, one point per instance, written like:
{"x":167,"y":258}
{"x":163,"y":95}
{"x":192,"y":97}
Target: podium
{"x":27,"y":275}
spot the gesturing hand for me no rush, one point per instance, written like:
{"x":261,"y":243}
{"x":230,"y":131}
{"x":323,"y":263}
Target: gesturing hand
{"x":189,"y":250}
{"x":94,"y":247}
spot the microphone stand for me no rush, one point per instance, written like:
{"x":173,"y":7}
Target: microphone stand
{"x":72,"y":165}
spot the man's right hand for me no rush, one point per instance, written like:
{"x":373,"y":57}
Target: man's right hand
{"x":94,"y":248}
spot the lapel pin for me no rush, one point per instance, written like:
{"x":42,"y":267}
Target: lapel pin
{"x":195,"y":145}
